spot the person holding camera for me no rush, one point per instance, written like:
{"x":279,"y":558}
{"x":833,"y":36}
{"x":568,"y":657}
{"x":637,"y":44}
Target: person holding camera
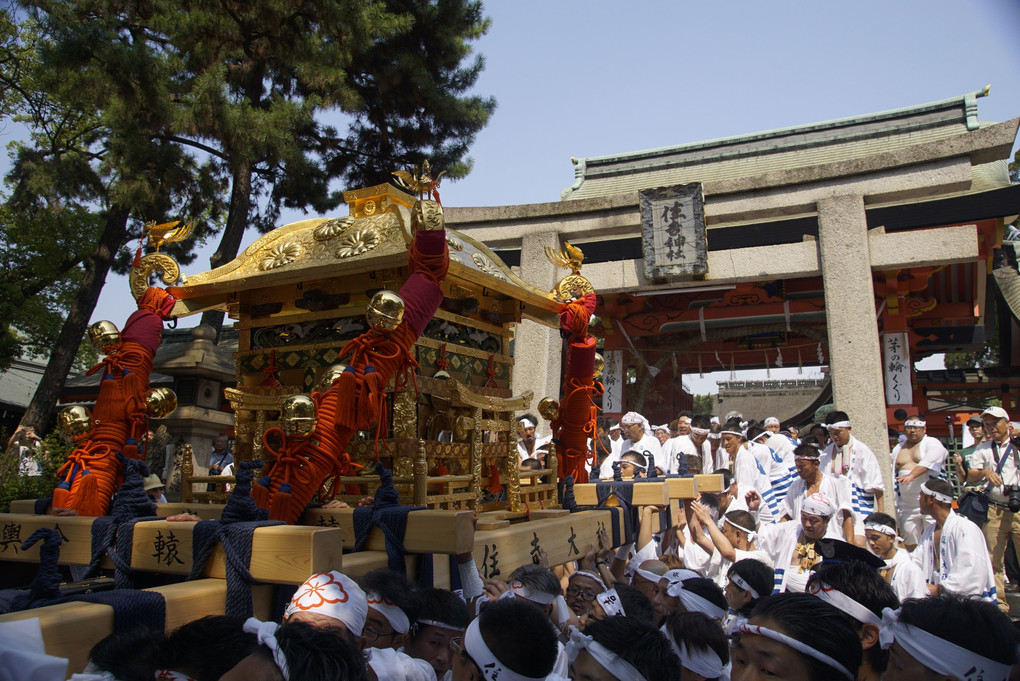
{"x":996,"y":464}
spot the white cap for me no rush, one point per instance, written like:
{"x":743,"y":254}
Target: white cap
{"x":997,"y":412}
{"x":772,"y":421}
{"x":818,"y":504}
{"x":632,"y":417}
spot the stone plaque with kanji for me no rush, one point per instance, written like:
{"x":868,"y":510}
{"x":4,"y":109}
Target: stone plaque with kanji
{"x":673,"y":232}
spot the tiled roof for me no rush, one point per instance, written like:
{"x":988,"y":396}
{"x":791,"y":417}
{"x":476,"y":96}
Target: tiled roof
{"x":775,"y":150}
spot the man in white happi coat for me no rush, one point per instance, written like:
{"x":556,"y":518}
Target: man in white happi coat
{"x":994,"y":463}
{"x":746,"y":469}
{"x":810,"y":481}
{"x":681,"y":446}
{"x":637,"y":434}
{"x":701,"y":428}
{"x":914,"y":461}
{"x":775,"y":454}
{"x":527,"y":443}
{"x":714,"y":547}
{"x":854,"y":465}
{"x":900,"y":571}
{"x":790,"y":545}
{"x":952,"y":554}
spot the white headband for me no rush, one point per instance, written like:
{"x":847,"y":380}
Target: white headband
{"x":388,"y":609}
{"x":646,"y":574}
{"x":937,"y":654}
{"x":521,"y":590}
{"x":914,"y":422}
{"x":437,"y":623}
{"x":634,"y":464}
{"x":589,"y":575}
{"x":266,"y":634}
{"x":615,"y":426}
{"x":700,"y":431}
{"x":677,"y":575}
{"x":838,"y":424}
{"x":664,"y":427}
{"x":813,"y":456}
{"x":714,"y":436}
{"x":751,"y":534}
{"x":772,"y":421}
{"x":611,"y":603}
{"x":742,"y":583}
{"x":761,"y":435}
{"x":877,"y":527}
{"x":939,"y":496}
{"x":618,"y":667}
{"x":844,"y":603}
{"x":489,"y":666}
{"x":817,"y":504}
{"x":528,"y":423}
{"x":632,"y":417}
{"x":693,"y":602}
{"x":803,"y":648}
{"x":731,"y":432}
{"x":332,"y":594}
{"x":701,"y":661}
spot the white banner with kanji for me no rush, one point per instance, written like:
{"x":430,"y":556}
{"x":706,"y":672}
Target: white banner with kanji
{"x":896,"y":366}
{"x":612,"y":380}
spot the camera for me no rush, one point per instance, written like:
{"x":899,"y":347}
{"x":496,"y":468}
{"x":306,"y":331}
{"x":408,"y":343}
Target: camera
{"x":1012,"y":494}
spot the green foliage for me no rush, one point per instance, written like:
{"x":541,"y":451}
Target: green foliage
{"x":704,"y":404}
{"x":50,"y":454}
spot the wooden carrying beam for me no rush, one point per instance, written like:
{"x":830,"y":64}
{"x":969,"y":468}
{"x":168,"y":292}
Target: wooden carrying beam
{"x":498,"y":552}
{"x":712,"y":482}
{"x":644,"y":493}
{"x":71,"y":629}
{"x":76,"y":532}
{"x":682,"y":488}
{"x":280,"y":554}
{"x":427,"y":531}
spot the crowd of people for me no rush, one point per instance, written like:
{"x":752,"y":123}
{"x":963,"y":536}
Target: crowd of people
{"x":791,"y":572}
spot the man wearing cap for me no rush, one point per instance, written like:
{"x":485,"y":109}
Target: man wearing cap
{"x":637,"y":435}
{"x":952,"y":553}
{"x":330,"y":600}
{"x":791,"y":545}
{"x":812,"y":481}
{"x":996,"y":467}
{"x":914,"y":461}
{"x":527,"y":443}
{"x":772,"y":424}
{"x":854,"y":465}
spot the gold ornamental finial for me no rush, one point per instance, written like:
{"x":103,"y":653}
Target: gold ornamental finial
{"x":167,"y":233}
{"x":418,"y":181}
{"x":569,"y":256}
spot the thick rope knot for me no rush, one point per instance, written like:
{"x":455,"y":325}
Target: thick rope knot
{"x":240,"y":505}
{"x":46,"y":584}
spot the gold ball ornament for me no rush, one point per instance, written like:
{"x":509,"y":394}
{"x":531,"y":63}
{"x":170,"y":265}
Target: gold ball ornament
{"x":160,"y":402}
{"x":297,"y":416}
{"x":104,"y":337}
{"x":440,"y":403}
{"x":600,"y":364}
{"x":330,"y":375}
{"x":74,"y":422}
{"x":549,"y":408}
{"x":385,"y":312}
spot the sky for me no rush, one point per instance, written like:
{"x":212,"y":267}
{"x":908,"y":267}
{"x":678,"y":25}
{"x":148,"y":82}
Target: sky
{"x":596,"y":78}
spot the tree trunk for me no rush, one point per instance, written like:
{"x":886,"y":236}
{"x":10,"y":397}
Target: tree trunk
{"x":233,"y":233}
{"x":40,"y":410}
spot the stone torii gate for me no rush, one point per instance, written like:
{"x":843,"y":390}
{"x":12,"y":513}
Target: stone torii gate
{"x":831,"y":235}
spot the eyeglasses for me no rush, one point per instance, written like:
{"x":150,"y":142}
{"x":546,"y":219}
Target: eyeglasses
{"x":573,"y":591}
{"x":371,"y":635}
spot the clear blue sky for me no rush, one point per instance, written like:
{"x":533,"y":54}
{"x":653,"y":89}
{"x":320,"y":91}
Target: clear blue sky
{"x":594,"y":78}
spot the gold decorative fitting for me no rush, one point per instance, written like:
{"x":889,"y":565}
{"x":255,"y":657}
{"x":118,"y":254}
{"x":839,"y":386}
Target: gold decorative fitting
{"x":427,"y":216}
{"x":332,"y":228}
{"x":549,"y":408}
{"x":486,"y":266}
{"x":330,"y":375}
{"x":73,"y":422}
{"x":281,"y":255}
{"x":104,"y":337}
{"x":358,"y":242}
{"x":138,"y":279}
{"x":369,"y":207}
{"x":297,"y":416}
{"x":160,"y":402}
{"x":600,"y":364}
{"x":454,"y":243}
{"x":386,"y":311}
{"x":572,"y":286}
